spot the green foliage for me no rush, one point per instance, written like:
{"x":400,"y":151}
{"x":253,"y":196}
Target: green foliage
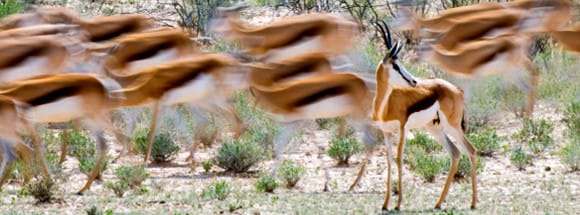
{"x":118,"y":187}
{"x":485,"y":140}
{"x":219,"y":190}
{"x":263,"y":129}
{"x":421,"y":140}
{"x":163,"y":150}
{"x":483,"y":104}
{"x":570,"y":155}
{"x":88,"y":162}
{"x":238,"y":155}
{"x":42,"y":190}
{"x":428,"y":166}
{"x":327,"y":123}
{"x":342,"y":148}
{"x":206,"y":165}
{"x":572,"y":119}
{"x":132,"y":176}
{"x":81,"y":146}
{"x":464,"y":167}
{"x":536,"y":135}
{"x":520,"y":158}
{"x":8,"y":7}
{"x":291,"y":172}
{"x":266,"y":183}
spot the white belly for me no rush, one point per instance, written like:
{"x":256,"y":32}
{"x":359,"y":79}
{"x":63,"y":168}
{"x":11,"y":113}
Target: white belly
{"x":421,"y":118}
{"x":195,"y":91}
{"x":60,"y":111}
{"x":29,"y":68}
{"x":330,"y":107}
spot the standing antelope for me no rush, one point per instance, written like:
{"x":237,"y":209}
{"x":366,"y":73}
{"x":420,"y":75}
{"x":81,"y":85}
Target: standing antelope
{"x":296,"y":35}
{"x":401,"y":104}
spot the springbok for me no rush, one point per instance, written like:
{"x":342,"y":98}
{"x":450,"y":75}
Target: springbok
{"x":296,"y":35}
{"x":568,"y":37}
{"x":400,"y":105}
{"x":65,"y":97}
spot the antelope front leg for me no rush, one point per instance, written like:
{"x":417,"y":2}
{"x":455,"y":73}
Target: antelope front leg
{"x":400,"y":149}
{"x":531,"y":90}
{"x":388,"y":183}
{"x":38,"y":150}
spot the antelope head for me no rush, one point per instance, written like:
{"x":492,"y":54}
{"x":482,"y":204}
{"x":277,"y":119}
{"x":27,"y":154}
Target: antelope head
{"x":225,"y":18}
{"x":390,"y":70}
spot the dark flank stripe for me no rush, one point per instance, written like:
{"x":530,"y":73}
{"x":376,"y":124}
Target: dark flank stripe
{"x":21,"y":58}
{"x":54,"y":95}
{"x":323,"y":94}
{"x":305,"y":68}
{"x":309,"y":32}
{"x":115,"y":33}
{"x":422,"y":104}
{"x":490,"y":57}
{"x":151,"y":51}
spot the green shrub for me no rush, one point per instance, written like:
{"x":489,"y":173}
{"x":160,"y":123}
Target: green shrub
{"x":41,"y":190}
{"x":238,"y":155}
{"x":132,"y":176}
{"x":118,"y":187}
{"x":485,"y":141}
{"x":266,"y":183}
{"x":163,"y":150}
{"x":291,"y":172}
{"x":219,"y":190}
{"x":536,"y":135}
{"x":572,"y":119}
{"x":421,"y":140}
{"x":520,"y":158}
{"x":206,"y":165}
{"x":8,"y":7}
{"x":426,"y":165}
{"x":570,"y":155}
{"x":464,"y":167}
{"x":327,"y":123}
{"x":263,"y":129}
{"x":341,"y":149}
{"x":88,"y":161}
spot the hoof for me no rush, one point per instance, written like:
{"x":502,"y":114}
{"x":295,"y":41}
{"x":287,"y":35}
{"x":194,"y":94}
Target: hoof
{"x":437,"y":207}
{"x":397,"y":208}
{"x":79,"y":193}
{"x":473,"y":207}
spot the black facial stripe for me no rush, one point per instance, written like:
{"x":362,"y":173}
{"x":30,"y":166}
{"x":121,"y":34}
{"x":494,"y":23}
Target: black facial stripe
{"x":398,"y":69}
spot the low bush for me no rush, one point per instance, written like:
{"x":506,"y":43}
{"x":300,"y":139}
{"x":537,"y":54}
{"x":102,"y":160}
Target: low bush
{"x":266,"y":183}
{"x":42,"y":190}
{"x":535,"y":134}
{"x":520,"y":158}
{"x":238,"y":155}
{"x":485,"y":140}
{"x":570,"y":155}
{"x":572,"y":120}
{"x":291,"y":172}
{"x":341,"y":149}
{"x":464,"y":167}
{"x":164,"y":148}
{"x":421,"y":140}
{"x":426,"y":165}
{"x":118,"y":187}
{"x":206,"y":165}
{"x":219,"y":190}
{"x":133,"y":176}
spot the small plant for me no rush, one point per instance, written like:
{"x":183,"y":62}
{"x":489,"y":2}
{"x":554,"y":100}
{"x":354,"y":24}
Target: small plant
{"x":421,"y":140}
{"x":427,"y":166}
{"x":266,"y":183}
{"x":132,"y":176}
{"x":8,"y":7}
{"x":485,"y":141}
{"x":570,"y":155}
{"x":341,"y":149}
{"x":41,"y":190}
{"x":93,"y":211}
{"x":163,"y":150}
{"x":327,"y":123}
{"x":464,"y":167}
{"x":81,"y":146}
{"x":87,"y":163}
{"x":118,"y":187}
{"x":219,"y":190}
{"x":572,"y":119}
{"x":238,"y":155}
{"x":206,"y":165}
{"x":536,"y":135}
{"x":520,"y":158}
{"x":291,"y":172}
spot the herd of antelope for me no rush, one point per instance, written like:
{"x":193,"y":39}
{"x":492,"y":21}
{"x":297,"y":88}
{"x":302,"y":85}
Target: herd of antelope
{"x":58,"y":67}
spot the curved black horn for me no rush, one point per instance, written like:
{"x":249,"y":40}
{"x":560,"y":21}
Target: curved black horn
{"x":388,"y":32}
{"x":386,"y":39}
